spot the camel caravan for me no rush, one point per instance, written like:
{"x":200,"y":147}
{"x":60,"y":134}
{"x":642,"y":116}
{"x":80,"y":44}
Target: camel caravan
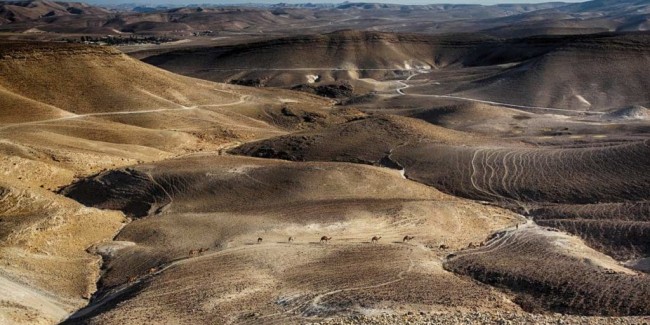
{"x":326,"y":239}
{"x":197,"y":252}
{"x":323,"y":240}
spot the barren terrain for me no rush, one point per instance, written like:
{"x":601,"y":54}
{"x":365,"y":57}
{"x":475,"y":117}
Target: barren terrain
{"x":286,"y":171}
{"x":276,"y":200}
{"x":585,"y":73}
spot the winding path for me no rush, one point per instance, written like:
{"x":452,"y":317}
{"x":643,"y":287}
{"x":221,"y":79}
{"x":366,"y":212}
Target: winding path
{"x":242,"y":99}
{"x":401,"y":92}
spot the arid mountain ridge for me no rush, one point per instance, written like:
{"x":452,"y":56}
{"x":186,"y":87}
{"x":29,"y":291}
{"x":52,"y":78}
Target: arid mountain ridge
{"x":596,"y":72}
{"x":455,"y":178}
{"x":20,"y":11}
{"x":499,"y":20}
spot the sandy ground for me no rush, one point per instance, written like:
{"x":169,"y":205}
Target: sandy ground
{"x":154,"y":180}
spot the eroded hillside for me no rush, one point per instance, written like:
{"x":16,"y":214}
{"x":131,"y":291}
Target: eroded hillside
{"x":68,"y":111}
{"x":584,"y":73}
{"x":133,"y":195}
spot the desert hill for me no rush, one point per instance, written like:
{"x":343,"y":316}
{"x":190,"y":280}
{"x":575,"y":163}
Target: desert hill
{"x":576,"y":18}
{"x":325,"y":198}
{"x":480,"y":172}
{"x":99,"y":75}
{"x":274,"y":200}
{"x":66,"y":111}
{"x":604,"y":203}
{"x":367,"y":140}
{"x":95,"y":73}
{"x":23,"y":11}
{"x":482,"y":177}
{"x":228,"y":18}
{"x":340,"y":55}
{"x":598,"y":72}
{"x":540,"y":286}
{"x":634,"y":112}
{"x":507,"y":20}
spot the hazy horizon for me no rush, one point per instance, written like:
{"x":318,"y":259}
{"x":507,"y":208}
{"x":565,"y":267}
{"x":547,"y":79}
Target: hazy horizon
{"x":229,"y":2}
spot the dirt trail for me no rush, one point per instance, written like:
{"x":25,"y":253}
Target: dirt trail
{"x":522,"y":107}
{"x":116,"y":293}
{"x":405,"y":86}
{"x":565,"y":242}
{"x":315,"y":306}
{"x":22,"y":295}
{"x":242,"y":99}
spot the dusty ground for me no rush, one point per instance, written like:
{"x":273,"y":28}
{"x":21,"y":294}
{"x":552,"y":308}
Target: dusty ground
{"x":55,"y":130}
{"x":482,"y":318}
{"x":586,"y":74}
{"x":107,"y":191}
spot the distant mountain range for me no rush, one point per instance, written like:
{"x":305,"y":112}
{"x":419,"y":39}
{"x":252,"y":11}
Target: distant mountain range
{"x":506,"y":20}
{"x":21,"y":11}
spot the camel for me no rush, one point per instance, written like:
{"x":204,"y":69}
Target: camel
{"x":194,"y":252}
{"x":375,"y":239}
{"x":443,"y":246}
{"x":203,"y":250}
{"x":132,"y":278}
{"x":325,"y":239}
{"x":291,"y":239}
{"x":152,"y":270}
{"x":259,"y":240}
{"x":407,"y":238}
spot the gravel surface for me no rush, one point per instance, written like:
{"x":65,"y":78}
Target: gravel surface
{"x":482,"y":318}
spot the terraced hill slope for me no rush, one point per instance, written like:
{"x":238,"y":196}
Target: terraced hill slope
{"x":597,"y":191}
{"x":23,"y":11}
{"x":67,"y":111}
{"x":276,"y":200}
{"x":132,"y":195}
{"x":599,"y":72}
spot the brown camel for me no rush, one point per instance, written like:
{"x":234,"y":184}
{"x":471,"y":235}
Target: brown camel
{"x":407,"y":238}
{"x":194,"y":252}
{"x":375,"y":239}
{"x":325,"y":239}
{"x":291,"y":239}
{"x":259,"y":240}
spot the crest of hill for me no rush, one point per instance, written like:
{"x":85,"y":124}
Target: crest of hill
{"x":200,"y":19}
{"x":22,"y":11}
{"x":608,"y":6}
{"x":462,"y":9}
{"x":577,"y":18}
{"x":104,"y":79}
{"x":347,"y":54}
{"x":586,"y":72}
{"x":368,"y":141}
{"x":634,"y":112}
{"x":68,"y":101}
{"x":581,"y":72}
{"x":345,"y":49}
